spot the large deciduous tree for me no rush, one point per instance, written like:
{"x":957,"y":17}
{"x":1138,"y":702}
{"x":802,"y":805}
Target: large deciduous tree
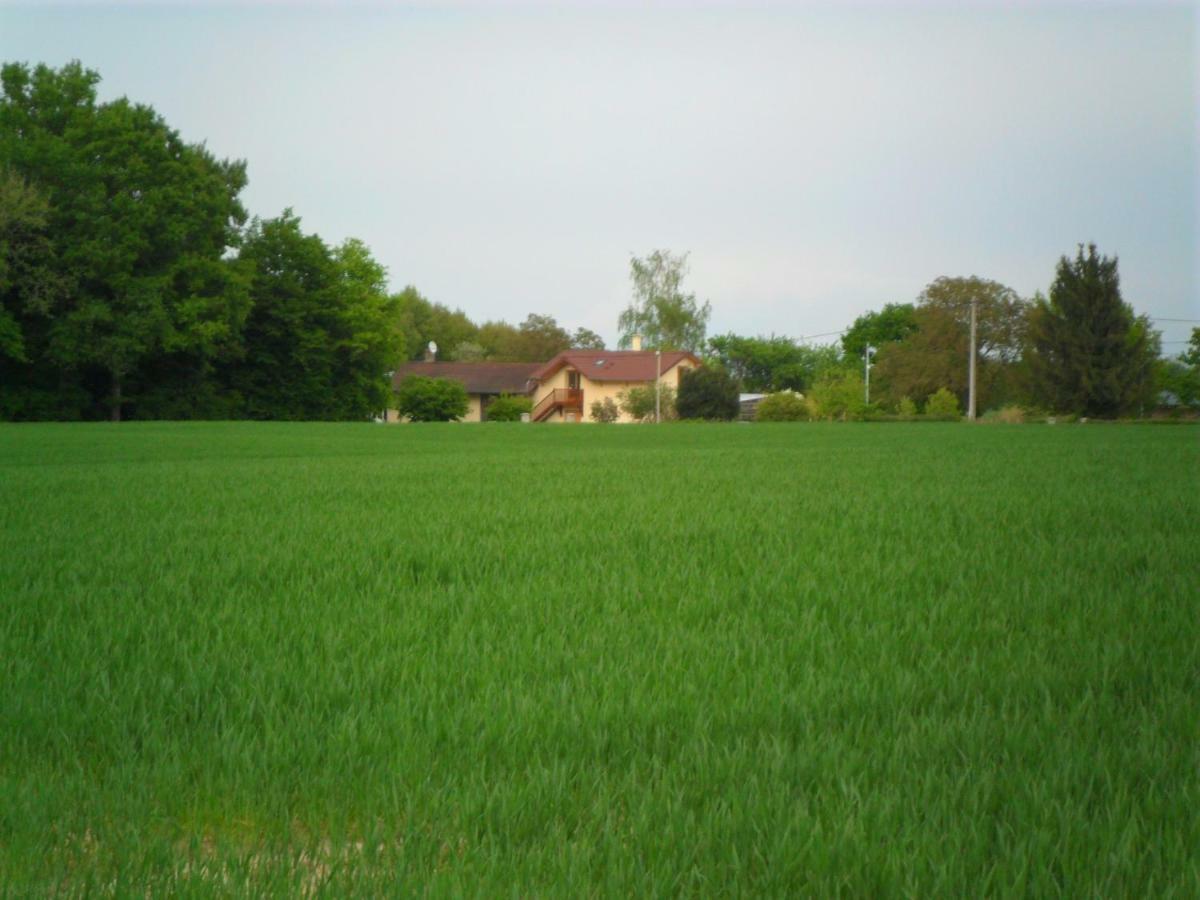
{"x":140,"y":222}
{"x":894,"y":322}
{"x":322,"y":334}
{"x":1090,"y":354}
{"x":772,"y":363}
{"x":935,"y":354}
{"x":665,"y":316}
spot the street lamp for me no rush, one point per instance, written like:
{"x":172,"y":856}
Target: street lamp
{"x":867,"y":354}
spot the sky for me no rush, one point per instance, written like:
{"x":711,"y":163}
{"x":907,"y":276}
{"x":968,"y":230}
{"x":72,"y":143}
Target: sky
{"x":815,"y":161}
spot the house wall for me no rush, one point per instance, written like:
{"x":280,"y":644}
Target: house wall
{"x":599,"y":390}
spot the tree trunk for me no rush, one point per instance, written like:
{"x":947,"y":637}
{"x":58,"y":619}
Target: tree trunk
{"x":115,"y":400}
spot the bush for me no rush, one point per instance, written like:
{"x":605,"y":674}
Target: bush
{"x":838,"y":395}
{"x":942,"y":405}
{"x":605,"y":410}
{"x":638,"y":402}
{"x":1006,"y":415}
{"x":423,"y":399}
{"x":707,"y":393}
{"x":508,"y":408}
{"x":786,"y":406}
{"x":906,"y":409}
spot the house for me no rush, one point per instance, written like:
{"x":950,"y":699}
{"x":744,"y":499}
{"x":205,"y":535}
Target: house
{"x":484,"y":381}
{"x":565,"y":388}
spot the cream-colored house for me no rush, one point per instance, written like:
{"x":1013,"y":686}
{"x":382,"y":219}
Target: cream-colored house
{"x":565,"y":388}
{"x":484,"y":381}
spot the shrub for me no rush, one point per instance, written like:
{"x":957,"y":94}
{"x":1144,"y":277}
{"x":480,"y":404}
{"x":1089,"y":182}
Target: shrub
{"x":638,"y":402}
{"x":605,"y":410}
{"x":1006,"y":415}
{"x":942,"y":405}
{"x":906,"y":408}
{"x":431,"y":399}
{"x":707,"y":393}
{"x":838,"y":395}
{"x":786,"y":406}
{"x":508,"y":408}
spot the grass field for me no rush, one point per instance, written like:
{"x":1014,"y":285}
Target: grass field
{"x":515,"y":660}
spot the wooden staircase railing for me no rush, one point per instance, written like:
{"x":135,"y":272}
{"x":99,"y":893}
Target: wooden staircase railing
{"x":559,"y":398}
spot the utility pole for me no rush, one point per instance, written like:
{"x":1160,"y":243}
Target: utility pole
{"x":971,"y":374}
{"x":657,"y":386}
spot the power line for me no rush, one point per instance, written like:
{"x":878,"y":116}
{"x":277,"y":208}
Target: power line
{"x":1184,"y":321}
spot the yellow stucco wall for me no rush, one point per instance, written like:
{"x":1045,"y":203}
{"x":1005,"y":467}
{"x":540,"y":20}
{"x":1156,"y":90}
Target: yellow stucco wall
{"x":599,"y":390}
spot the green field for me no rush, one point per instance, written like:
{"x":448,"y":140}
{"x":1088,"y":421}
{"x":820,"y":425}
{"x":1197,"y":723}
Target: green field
{"x":518,"y":660}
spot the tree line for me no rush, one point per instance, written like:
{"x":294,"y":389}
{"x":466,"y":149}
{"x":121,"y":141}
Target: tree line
{"x":134,"y":284}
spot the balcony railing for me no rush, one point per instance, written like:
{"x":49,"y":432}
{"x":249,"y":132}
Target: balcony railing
{"x":559,"y":398}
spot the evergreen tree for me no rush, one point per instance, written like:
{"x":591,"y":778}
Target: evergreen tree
{"x":1090,"y":354}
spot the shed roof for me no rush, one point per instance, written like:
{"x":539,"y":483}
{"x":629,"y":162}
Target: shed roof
{"x":613,"y":365}
{"x":476,"y":377}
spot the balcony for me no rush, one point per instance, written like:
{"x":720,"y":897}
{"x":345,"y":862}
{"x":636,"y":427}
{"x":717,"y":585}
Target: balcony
{"x":564,"y":399}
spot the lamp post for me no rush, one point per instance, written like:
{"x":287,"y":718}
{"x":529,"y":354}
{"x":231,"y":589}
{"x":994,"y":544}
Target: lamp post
{"x":867,"y":354}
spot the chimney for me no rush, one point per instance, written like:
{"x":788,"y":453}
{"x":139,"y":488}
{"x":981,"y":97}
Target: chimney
{"x":636,"y":342}
{"x":431,"y":352}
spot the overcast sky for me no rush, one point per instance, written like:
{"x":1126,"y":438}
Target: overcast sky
{"x":815,"y":161}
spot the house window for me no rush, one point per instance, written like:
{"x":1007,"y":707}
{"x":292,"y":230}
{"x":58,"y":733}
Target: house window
{"x":573,"y":380}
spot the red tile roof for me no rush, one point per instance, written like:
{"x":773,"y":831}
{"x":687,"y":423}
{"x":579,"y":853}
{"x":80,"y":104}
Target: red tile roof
{"x":613,"y":365}
{"x":476,"y":377}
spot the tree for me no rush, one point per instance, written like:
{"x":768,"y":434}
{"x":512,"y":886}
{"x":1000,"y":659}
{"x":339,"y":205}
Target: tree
{"x":838,"y":395}
{"x":1091,"y":354}
{"x":508,"y":408}
{"x":639,"y":402}
{"x":141,"y":222}
{"x":431,"y":399}
{"x":322,"y":335}
{"x":894,"y":322}
{"x":421,"y":321}
{"x":542,"y":338}
{"x":935,"y":353}
{"x":665,"y":317}
{"x":786,"y":406}
{"x":772,"y":363}
{"x":707,"y":393}
{"x":586,"y":339}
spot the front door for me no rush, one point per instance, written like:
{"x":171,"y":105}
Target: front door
{"x":573,"y":380}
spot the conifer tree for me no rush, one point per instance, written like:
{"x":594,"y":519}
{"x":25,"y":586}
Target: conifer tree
{"x":1090,"y":354}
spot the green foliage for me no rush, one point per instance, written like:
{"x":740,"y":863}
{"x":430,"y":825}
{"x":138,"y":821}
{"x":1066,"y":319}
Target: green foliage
{"x":665,"y":317}
{"x":423,"y":399}
{"x":1177,"y":383}
{"x":1007,"y":415}
{"x":894,"y":322}
{"x":321,"y":336}
{"x":639,"y":402}
{"x":773,"y":364}
{"x":786,"y":406}
{"x":906,"y":407}
{"x":139,"y":221}
{"x":707,"y":393}
{"x":839,"y":395}
{"x":942,"y":404}
{"x":1091,"y":355}
{"x":605,"y":410}
{"x":586,"y":339}
{"x":259,"y":659}
{"x":934,"y":354}
{"x":508,"y":408}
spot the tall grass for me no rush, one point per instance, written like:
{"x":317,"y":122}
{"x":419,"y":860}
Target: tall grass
{"x":701,"y":660}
